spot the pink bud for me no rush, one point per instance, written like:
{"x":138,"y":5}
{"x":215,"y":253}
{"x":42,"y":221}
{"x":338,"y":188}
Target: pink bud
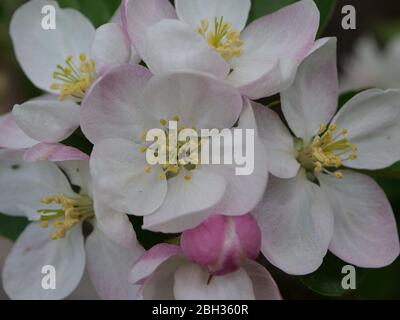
{"x":221,"y":243}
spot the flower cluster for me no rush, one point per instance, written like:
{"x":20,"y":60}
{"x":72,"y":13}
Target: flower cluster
{"x":201,"y":68}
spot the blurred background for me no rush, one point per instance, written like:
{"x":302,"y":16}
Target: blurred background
{"x":368,"y":57}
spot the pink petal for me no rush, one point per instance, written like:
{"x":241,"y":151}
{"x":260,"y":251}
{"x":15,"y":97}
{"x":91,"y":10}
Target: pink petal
{"x":54,"y":152}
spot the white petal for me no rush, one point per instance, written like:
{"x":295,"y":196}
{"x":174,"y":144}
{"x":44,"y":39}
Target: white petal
{"x":108,"y":266}
{"x":233,"y":11}
{"x":110,"y":47}
{"x":114,"y":106}
{"x":114,"y":224}
{"x":24,"y":184}
{"x":151,"y":260}
{"x":192,"y":283}
{"x":279,"y":142}
{"x":373,"y":120}
{"x":296,"y":223}
{"x":160,"y":285}
{"x":23,"y":272}
{"x":312,"y":99}
{"x":200,"y":101}
{"x":38,"y":50}
{"x":78,"y":174}
{"x":46,"y":120}
{"x":365,"y":232}
{"x":274,"y":46}
{"x":12,"y":136}
{"x":187,"y":203}
{"x":117,"y":167}
{"x":264,"y":285}
{"x":138,"y":16}
{"x":171,"y":45}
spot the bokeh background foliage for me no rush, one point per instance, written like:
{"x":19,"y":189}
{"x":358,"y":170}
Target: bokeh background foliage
{"x":324,"y":283}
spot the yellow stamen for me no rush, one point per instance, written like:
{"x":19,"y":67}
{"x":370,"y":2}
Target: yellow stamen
{"x":224,"y":38}
{"x":74,"y":80}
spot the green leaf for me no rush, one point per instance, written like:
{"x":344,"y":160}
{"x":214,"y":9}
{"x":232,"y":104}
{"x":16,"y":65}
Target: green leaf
{"x":260,"y":8}
{"x":11,"y":227}
{"x":326,"y":9}
{"x":98,"y":11}
{"x":327,"y":280}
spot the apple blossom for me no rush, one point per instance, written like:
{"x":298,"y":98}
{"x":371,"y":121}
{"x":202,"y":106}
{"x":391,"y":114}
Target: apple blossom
{"x":65,"y":62}
{"x":165,"y":274}
{"x":42,"y":192}
{"x":222,"y":243}
{"x":127,"y":102}
{"x":314,"y":203}
{"x":210,"y":36}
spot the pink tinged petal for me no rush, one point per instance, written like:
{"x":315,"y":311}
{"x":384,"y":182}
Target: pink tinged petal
{"x":264,"y":285}
{"x":233,"y":11}
{"x":222,"y":243}
{"x":200,"y":101}
{"x":25,"y":184}
{"x":171,"y":46}
{"x":188,"y":202}
{"x":108,"y":266}
{"x":312,"y":99}
{"x":150,"y":260}
{"x":110,"y":48}
{"x":54,"y":152}
{"x":373,"y":120}
{"x":138,"y":16}
{"x":113,"y":107}
{"x":160,"y":285}
{"x":117,"y":167}
{"x":243,"y":192}
{"x":114,"y":224}
{"x":279,"y":142}
{"x":46,"y":120}
{"x":192,"y":283}
{"x":273,"y":48}
{"x":365,"y":232}
{"x":296,"y":224}
{"x":23,"y":270}
{"x":39,"y":50}
{"x":12,"y":136}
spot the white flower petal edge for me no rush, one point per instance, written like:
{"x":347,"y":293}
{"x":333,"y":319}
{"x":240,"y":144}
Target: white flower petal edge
{"x":365,"y":232}
{"x":12,"y":136}
{"x":313,"y":97}
{"x":108,"y":266}
{"x":273,"y":48}
{"x":111,"y":47}
{"x":278,"y":141}
{"x":22,"y":273}
{"x":373,"y":120}
{"x":47,"y":120}
{"x":39,"y":51}
{"x":296,"y":223}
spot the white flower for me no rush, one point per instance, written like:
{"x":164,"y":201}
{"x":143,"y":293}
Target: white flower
{"x":116,"y":115}
{"x":320,"y":205}
{"x":210,"y":36}
{"x":42,"y":192}
{"x":64,"y":62}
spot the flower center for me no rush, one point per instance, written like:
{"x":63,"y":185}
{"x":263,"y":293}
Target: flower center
{"x":327,"y":152}
{"x":71,"y":212}
{"x":74,"y":80}
{"x":223,"y":38}
{"x":174,"y":156}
